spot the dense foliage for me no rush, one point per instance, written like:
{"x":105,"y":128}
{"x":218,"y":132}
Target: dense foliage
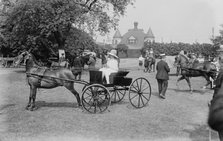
{"x":175,"y":48}
{"x":48,"y":25}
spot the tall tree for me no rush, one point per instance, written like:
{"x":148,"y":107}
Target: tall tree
{"x":218,"y":40}
{"x":45,"y":25}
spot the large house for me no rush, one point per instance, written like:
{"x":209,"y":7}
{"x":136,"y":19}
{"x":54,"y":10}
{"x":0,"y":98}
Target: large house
{"x":134,"y":38}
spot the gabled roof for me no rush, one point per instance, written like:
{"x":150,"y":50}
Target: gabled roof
{"x":138,"y":34}
{"x":117,"y":34}
{"x":149,"y":34}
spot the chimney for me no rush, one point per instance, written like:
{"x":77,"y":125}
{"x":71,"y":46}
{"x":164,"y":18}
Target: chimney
{"x":135,"y":25}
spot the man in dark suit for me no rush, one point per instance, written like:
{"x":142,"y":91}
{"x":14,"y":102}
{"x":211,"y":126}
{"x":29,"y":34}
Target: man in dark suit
{"x":162,"y":76}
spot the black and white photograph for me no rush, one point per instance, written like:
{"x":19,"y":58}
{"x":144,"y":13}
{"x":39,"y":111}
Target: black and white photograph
{"x":111,"y":70}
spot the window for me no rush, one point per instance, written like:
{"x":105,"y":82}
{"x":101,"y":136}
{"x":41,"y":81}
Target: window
{"x":132,"y":40}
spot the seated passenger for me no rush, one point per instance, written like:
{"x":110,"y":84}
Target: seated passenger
{"x":111,"y":66}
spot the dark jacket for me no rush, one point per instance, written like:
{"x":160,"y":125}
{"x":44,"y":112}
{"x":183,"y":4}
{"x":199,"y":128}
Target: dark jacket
{"x":162,"y":70}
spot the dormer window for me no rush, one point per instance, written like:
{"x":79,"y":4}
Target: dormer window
{"x":132,"y":40}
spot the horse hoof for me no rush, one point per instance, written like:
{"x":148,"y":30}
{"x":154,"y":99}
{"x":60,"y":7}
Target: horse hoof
{"x":27,"y":107}
{"x":33,"y":108}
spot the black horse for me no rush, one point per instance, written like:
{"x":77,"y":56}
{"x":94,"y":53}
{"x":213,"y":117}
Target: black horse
{"x":206,"y":69}
{"x":42,"y":77}
{"x":149,"y":64}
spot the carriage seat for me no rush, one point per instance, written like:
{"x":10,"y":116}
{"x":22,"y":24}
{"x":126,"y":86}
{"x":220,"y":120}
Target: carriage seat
{"x":118,"y":78}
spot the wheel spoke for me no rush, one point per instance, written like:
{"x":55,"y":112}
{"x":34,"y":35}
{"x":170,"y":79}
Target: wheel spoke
{"x":142,"y":100}
{"x":135,"y":88}
{"x":140,"y":84}
{"x":146,"y":93}
{"x":88,"y":95}
{"x":137,"y":85}
{"x":95,"y":107}
{"x":139,"y":101}
{"x":118,"y":92}
{"x":145,"y":98}
{"x":145,"y":89}
{"x":133,"y":97}
{"x":115,"y":93}
{"x":89,"y":107}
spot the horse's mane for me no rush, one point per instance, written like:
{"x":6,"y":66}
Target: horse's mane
{"x":184,"y":57}
{"x":34,"y":60}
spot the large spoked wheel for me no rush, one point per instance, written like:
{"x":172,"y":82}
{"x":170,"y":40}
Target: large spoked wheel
{"x":117,"y":93}
{"x":139,"y":92}
{"x":95,"y":98}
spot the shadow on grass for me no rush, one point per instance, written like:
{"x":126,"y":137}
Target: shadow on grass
{"x":20,"y":71}
{"x":187,"y":91}
{"x":56,"y":104}
{"x":201,"y":133}
{"x":173,"y":74}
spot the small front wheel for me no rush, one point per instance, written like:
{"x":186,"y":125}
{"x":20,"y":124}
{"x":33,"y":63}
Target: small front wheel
{"x":139,"y":92}
{"x":118,"y":93}
{"x":95,"y":98}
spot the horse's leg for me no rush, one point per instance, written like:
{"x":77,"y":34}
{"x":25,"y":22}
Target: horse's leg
{"x":33,"y":99}
{"x":30,"y":98}
{"x":70,"y":87}
{"x":149,"y":67}
{"x":178,"y":71}
{"x":179,"y":79}
{"x":208,"y":79}
{"x":189,"y":84}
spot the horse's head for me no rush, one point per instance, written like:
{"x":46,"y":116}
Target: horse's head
{"x":22,"y":57}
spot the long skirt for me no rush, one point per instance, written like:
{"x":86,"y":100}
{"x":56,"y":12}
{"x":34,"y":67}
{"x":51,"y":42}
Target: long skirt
{"x":106,"y":73}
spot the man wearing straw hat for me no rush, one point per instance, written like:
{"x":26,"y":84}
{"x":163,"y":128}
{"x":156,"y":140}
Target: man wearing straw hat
{"x":162,"y":75}
{"x":111,"y":66}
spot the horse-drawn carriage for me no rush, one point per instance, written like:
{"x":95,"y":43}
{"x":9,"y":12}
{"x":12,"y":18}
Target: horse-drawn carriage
{"x":96,"y":95}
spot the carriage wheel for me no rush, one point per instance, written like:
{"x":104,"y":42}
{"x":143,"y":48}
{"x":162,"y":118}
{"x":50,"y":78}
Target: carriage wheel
{"x":118,"y":93}
{"x":95,"y":98}
{"x":85,"y":85}
{"x":139,"y":92}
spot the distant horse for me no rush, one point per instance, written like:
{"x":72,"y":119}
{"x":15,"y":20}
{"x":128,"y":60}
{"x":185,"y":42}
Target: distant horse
{"x":206,"y":70}
{"x":41,"y":77}
{"x":215,"y":119}
{"x":149,"y":64}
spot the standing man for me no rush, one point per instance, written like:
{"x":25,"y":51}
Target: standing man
{"x":162,"y":76}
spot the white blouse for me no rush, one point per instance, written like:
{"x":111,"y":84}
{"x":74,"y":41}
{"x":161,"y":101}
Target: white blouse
{"x":112,"y":64}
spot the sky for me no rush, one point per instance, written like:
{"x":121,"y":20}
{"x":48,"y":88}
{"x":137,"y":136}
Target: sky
{"x":186,"y":21}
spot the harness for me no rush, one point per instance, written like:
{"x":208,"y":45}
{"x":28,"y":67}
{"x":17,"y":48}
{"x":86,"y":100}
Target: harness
{"x":39,"y":72}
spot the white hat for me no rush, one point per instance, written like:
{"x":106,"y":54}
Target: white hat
{"x":113,"y":52}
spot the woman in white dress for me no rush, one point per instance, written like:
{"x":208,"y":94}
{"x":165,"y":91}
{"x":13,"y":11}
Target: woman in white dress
{"x":111,"y":66}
